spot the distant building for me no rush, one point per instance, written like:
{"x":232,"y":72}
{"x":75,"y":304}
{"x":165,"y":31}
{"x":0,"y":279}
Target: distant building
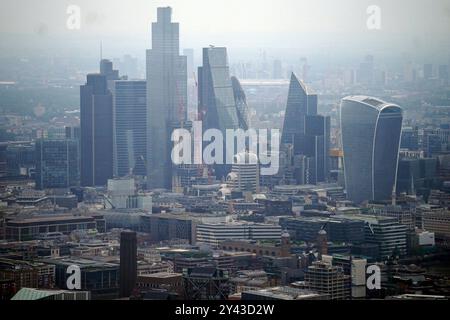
{"x":57,"y":164}
{"x":244,"y":175}
{"x":385,"y":232}
{"x":214,"y":234}
{"x":370,"y":139}
{"x":166,"y":97}
{"x":206,"y":283}
{"x":327,"y":279}
{"x":308,"y":132}
{"x":130,"y":127}
{"x":23,"y":229}
{"x":283,"y":293}
{"x":96,"y":119}
{"x":100,"y":278}
{"x":172,"y":282}
{"x":338,"y":229}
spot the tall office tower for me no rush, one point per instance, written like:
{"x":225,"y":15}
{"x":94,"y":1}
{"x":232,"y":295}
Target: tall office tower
{"x":130,"y":127}
{"x":128,"y":262}
{"x":308,"y":132}
{"x":370,"y":136}
{"x":215,"y":91}
{"x":166,"y":97}
{"x":96,"y":122}
{"x":216,"y":104}
{"x":241,"y":104}
{"x":57,"y":164}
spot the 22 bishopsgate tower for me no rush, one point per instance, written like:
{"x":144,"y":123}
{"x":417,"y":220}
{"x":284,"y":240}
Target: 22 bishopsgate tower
{"x":371,"y":131}
{"x":166,"y":97}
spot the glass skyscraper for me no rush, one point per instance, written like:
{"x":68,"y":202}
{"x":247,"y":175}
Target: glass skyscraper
{"x":370,"y":131}
{"x":96,"y":122}
{"x":215,"y":91}
{"x":166,"y":97}
{"x":130,"y":127}
{"x":308,"y":132}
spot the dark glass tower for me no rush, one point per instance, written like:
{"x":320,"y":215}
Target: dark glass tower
{"x":308,"y":132}
{"x":370,"y":130}
{"x":130,"y":127}
{"x":166,"y":97}
{"x":96,"y":121}
{"x":128,"y":262}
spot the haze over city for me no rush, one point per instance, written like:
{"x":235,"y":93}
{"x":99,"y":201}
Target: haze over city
{"x":225,"y":151}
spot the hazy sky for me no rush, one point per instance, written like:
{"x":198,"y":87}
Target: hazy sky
{"x":412,"y":24}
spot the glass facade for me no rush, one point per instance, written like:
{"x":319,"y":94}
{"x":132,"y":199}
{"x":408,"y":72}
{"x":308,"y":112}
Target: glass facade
{"x":130,"y":127}
{"x":96,"y":121}
{"x":216,"y":96}
{"x":308,"y":132}
{"x":56,"y":164}
{"x":166,"y":97}
{"x":370,"y":130}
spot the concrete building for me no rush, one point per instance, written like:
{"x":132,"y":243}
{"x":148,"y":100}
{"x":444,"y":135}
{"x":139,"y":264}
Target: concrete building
{"x":214,"y":234}
{"x":22,"y":229}
{"x":325,"y":278}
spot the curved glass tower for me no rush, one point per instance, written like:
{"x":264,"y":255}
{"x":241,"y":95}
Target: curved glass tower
{"x":371,"y":130}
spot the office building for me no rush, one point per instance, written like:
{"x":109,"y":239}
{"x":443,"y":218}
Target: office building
{"x":244,"y":175}
{"x":214,"y":233}
{"x":130,"y":127}
{"x":215,"y":91}
{"x":327,"y":279}
{"x":370,"y":138}
{"x":56,"y":164}
{"x":385,"y":232}
{"x":338,"y":229}
{"x":96,"y":120}
{"x":128,"y":262}
{"x":29,"y":228}
{"x":100,"y":278}
{"x":166,"y":97}
{"x":307,"y":132}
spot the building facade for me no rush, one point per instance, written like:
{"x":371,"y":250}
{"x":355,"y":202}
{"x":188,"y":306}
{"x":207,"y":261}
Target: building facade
{"x":57,"y":164}
{"x":166,"y":97}
{"x":130,"y":127}
{"x":371,"y":131}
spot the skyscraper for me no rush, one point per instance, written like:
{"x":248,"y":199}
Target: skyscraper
{"x":57,"y":164}
{"x":96,"y":122}
{"x":166,"y":97}
{"x":215,"y":91}
{"x":130,"y":127}
{"x":128,"y":262}
{"x":371,"y":131}
{"x":308,"y":132}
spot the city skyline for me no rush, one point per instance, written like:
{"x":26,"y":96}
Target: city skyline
{"x":173,"y":165}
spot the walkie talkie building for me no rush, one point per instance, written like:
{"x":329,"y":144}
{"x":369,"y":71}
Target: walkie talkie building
{"x":371,"y":130}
